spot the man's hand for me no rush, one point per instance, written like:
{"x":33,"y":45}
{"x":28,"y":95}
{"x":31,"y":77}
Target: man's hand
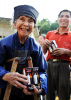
{"x":45,"y":45}
{"x":14,"y":78}
{"x":60,"y":51}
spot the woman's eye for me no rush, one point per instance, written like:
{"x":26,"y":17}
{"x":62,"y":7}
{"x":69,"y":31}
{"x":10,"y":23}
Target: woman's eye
{"x":31,"y":20}
{"x":22,"y":19}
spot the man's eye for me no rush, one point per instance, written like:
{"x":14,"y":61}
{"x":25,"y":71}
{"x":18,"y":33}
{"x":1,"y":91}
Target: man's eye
{"x":61,"y":16}
{"x":67,"y":16}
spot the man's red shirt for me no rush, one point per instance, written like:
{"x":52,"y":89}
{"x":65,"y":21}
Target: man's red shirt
{"x":62,"y":41}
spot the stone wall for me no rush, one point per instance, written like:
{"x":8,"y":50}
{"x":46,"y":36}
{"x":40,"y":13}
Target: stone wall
{"x":5,"y":27}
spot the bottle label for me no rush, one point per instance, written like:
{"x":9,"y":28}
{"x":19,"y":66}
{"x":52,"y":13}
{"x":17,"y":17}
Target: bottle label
{"x":52,"y":46}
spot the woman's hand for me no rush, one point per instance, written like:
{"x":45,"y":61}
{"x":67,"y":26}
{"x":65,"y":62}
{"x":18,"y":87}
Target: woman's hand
{"x":15,"y":79}
{"x":36,"y":91}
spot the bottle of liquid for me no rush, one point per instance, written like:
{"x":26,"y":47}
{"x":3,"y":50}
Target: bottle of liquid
{"x":29,"y":80}
{"x":50,"y":48}
{"x":29,"y":85}
{"x":53,"y":46}
{"x":35,"y":78}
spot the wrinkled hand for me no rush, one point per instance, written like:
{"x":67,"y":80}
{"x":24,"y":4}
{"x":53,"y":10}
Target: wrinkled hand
{"x":36,"y":91}
{"x":59,"y":51}
{"x":14,"y":78}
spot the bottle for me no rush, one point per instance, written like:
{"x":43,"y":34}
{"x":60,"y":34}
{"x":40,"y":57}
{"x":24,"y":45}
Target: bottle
{"x":35,"y":78}
{"x":50,"y":48}
{"x":29,"y":80}
{"x":53,"y":46}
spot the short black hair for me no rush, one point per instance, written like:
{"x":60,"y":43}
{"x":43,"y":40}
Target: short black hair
{"x":65,"y":10}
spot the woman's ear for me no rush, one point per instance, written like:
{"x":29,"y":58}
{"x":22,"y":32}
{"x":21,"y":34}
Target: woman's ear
{"x":15,"y":25}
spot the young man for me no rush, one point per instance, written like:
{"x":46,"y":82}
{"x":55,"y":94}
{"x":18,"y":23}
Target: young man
{"x":20,"y":44}
{"x":58,"y":60}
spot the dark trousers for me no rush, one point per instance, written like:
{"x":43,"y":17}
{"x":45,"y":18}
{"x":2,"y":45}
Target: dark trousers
{"x":18,"y":98}
{"x":58,"y":80}
{"x":17,"y":94}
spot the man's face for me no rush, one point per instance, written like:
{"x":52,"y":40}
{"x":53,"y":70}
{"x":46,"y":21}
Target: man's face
{"x":64,"y":19}
{"x":24,"y":26}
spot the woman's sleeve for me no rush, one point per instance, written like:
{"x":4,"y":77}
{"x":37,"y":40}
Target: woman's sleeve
{"x":43,"y":79}
{"x":2,"y":70}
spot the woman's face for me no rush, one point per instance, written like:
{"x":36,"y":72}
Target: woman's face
{"x":24,"y":26}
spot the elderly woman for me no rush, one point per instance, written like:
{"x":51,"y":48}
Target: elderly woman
{"x":20,"y":44}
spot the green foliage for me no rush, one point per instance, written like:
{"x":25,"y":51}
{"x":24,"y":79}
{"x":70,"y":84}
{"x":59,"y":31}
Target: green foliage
{"x":70,"y":27}
{"x":46,"y":25}
{"x":54,"y":26}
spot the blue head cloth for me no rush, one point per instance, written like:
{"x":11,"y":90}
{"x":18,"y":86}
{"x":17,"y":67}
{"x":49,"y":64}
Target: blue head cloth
{"x":26,"y":10}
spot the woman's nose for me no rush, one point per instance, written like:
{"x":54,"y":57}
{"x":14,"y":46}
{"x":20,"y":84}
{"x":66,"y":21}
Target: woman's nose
{"x":25,"y":23}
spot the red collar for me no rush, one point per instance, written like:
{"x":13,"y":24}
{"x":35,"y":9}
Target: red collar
{"x":57,"y":31}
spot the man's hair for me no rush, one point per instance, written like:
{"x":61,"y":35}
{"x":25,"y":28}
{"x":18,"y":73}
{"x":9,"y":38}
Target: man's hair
{"x":65,"y":10}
